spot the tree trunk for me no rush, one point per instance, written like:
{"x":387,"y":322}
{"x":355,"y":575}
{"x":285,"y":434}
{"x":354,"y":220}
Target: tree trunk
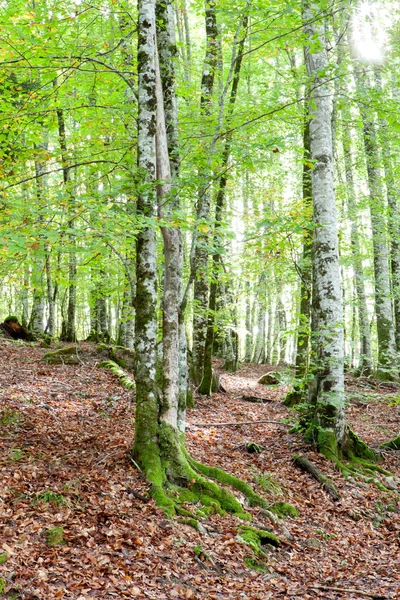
{"x":392,"y":191}
{"x":387,"y":358}
{"x":206,"y":383}
{"x":70,"y":333}
{"x":326,"y":391}
{"x":303,"y":328}
{"x":365,"y":364}
{"x":200,"y":261}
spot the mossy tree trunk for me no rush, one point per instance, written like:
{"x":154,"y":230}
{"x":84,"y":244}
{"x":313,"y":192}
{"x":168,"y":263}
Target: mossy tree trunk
{"x":159,"y":443}
{"x":206,"y":383}
{"x":326,"y":391}
{"x":303,"y":336}
{"x":387,"y":357}
{"x":201,"y":235}
{"x":365,"y":361}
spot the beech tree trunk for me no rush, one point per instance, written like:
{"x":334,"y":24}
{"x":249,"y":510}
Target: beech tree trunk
{"x":392,"y":191}
{"x":387,"y":358}
{"x":70,"y":333}
{"x":326,"y":391}
{"x":365,"y":361}
{"x":201,"y":242}
{"x":303,"y":327}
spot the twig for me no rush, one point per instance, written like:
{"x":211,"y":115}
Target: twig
{"x":137,"y":495}
{"x":234,"y":423}
{"x":350,"y":591}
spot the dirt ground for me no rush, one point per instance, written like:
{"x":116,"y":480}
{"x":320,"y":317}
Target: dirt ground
{"x":65,"y":434}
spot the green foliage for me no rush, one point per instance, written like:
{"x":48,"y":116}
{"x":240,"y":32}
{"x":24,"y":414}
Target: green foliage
{"x":9,"y":418}
{"x":268,"y":483}
{"x":3,"y":557}
{"x":51,"y":497}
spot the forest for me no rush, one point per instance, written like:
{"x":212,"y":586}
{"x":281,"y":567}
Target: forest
{"x":200,"y":299}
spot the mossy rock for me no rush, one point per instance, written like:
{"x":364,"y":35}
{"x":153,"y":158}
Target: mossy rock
{"x":124,"y":357}
{"x":55,"y":536}
{"x":66,"y":355}
{"x":272,"y":378}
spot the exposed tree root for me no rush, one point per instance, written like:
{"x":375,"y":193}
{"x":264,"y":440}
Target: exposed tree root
{"x":178,"y":481}
{"x":124,"y":379}
{"x":353,"y":458}
{"x":393,"y":444}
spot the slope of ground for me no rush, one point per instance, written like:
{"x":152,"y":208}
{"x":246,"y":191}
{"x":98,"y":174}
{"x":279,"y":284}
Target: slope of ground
{"x":65,"y":434}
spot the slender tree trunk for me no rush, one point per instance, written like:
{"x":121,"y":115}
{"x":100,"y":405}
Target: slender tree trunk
{"x":387,"y":358}
{"x":326,"y":391}
{"x":50,"y":294}
{"x":25,"y":296}
{"x":259,"y":349}
{"x":303,"y":328}
{"x":365,"y":365}
{"x":206,"y":383}
{"x":38,"y":306}
{"x":70,"y":333}
{"x":392,"y":191}
{"x":200,"y":262}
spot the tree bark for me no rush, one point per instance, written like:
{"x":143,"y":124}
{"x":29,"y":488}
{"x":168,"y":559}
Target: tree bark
{"x":365,"y":361}
{"x":387,"y":358}
{"x":201,"y":242}
{"x":326,"y":391}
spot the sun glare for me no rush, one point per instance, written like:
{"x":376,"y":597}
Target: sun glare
{"x":369,"y":31}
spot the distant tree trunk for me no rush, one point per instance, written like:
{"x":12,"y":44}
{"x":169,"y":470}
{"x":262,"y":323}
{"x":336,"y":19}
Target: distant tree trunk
{"x":50,"y":327}
{"x":36,"y":323}
{"x":387,"y":358}
{"x":270,"y":332}
{"x":201,"y":250}
{"x":127,"y":324}
{"x":303,"y":328}
{"x":282,"y":331}
{"x":206,"y":383}
{"x":248,"y":324}
{"x":259,"y":349}
{"x":69,"y":333}
{"x":365,"y":365}
{"x":25,"y":296}
{"x":326,"y":391}
{"x":392,"y":191}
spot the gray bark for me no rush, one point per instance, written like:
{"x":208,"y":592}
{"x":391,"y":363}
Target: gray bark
{"x":387,"y":358}
{"x":326,"y":392}
{"x":365,"y":365}
{"x":392,"y":192}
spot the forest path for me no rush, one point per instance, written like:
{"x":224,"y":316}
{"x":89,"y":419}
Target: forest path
{"x":65,"y":434}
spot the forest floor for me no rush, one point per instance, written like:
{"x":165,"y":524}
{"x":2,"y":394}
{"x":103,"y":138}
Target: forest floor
{"x":65,"y":433}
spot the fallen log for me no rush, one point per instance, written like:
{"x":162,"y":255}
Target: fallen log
{"x":256,"y":399}
{"x":306,"y":465}
{"x":234,"y":423}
